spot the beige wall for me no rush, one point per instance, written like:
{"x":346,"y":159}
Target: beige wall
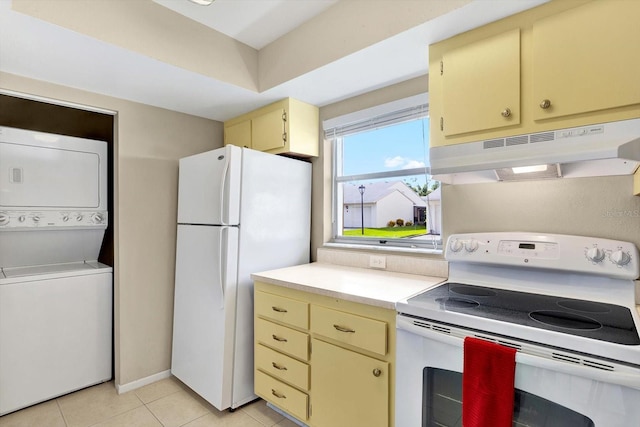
{"x":599,"y":207}
{"x":148,"y":143}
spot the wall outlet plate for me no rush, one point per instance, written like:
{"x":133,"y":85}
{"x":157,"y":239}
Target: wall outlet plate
{"x":377,"y":261}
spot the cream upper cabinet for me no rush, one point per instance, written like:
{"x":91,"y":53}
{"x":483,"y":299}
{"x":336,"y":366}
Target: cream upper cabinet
{"x":238,"y":134}
{"x":288,"y":126}
{"x":481,"y":85}
{"x":562,"y":64}
{"x":349,"y":389}
{"x":269,"y":130}
{"x":587,"y":59}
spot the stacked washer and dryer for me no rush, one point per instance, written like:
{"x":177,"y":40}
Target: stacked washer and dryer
{"x":55,"y":297}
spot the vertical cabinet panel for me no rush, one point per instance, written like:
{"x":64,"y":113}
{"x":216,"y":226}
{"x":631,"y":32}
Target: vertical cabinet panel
{"x":238,"y":134}
{"x":481,"y":85}
{"x":349,"y":389}
{"x":587,"y":59}
{"x":268,"y":130}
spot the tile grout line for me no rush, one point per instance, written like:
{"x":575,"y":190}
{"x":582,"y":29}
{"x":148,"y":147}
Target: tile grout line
{"x":64,"y":419}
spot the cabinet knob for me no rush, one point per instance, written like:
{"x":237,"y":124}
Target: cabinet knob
{"x":545,"y":104}
{"x":377,"y":372}
{"x":506,"y":112}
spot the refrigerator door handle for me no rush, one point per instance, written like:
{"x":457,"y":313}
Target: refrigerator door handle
{"x":223,"y":184}
{"x":223,"y":230}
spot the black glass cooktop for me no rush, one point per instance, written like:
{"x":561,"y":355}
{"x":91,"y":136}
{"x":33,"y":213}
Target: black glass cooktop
{"x":600,"y":321}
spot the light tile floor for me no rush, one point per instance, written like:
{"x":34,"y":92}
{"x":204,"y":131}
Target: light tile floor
{"x":166,"y":403}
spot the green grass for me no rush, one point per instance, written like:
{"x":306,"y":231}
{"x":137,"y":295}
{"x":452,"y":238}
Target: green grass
{"x":390,"y":232}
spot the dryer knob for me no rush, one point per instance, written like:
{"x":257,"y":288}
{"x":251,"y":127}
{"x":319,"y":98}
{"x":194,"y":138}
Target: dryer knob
{"x":96,"y":218}
{"x":4,"y":218}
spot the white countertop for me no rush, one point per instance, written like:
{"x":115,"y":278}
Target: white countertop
{"x":367,"y":286}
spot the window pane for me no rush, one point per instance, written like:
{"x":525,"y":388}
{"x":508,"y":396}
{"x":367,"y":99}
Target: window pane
{"x":383,"y":193}
{"x":397,"y":147}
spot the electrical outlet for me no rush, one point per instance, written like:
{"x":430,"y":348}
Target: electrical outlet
{"x":377,"y":261}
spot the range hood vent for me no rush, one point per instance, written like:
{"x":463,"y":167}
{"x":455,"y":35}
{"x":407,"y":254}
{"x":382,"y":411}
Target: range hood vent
{"x":594,"y":150}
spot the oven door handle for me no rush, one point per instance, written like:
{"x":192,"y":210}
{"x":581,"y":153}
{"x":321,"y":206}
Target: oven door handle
{"x":627,"y":379}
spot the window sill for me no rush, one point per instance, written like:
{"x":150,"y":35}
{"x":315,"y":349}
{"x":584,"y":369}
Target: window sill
{"x":383,"y":248}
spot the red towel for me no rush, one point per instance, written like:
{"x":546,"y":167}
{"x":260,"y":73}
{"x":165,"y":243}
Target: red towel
{"x":487,"y":384}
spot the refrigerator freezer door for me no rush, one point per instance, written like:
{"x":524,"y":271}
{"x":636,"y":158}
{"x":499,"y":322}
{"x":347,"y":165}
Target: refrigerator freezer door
{"x":204,"y":311}
{"x":209,"y":187}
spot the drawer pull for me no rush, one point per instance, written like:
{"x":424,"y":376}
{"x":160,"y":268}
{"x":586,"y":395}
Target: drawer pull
{"x":343,"y":329}
{"x":278,"y":309}
{"x":278,"y":395}
{"x":277,"y":338}
{"x":278,"y":367}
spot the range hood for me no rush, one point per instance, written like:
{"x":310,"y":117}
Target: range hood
{"x":594,"y":150}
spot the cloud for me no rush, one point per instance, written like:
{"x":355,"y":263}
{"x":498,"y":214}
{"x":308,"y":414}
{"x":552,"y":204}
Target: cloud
{"x":399,"y":162}
{"x":392,"y":162}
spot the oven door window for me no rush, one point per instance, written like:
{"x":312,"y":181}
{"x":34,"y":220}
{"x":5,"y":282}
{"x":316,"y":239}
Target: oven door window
{"x":442,"y":405}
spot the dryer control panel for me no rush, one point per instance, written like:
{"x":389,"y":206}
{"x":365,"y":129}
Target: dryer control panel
{"x":14,"y":220}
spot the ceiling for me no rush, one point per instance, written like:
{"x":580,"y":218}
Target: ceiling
{"x":253,"y":22}
{"x":42,"y":50}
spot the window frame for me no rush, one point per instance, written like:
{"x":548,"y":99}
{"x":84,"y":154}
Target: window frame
{"x":335,"y":135}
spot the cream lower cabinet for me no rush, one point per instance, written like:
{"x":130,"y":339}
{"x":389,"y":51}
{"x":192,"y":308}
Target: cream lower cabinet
{"x":326,"y":361}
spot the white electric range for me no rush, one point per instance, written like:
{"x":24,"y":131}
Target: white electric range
{"x":566,"y":303}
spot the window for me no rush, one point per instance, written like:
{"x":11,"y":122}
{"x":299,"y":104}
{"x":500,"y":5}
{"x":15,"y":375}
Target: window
{"x":383,"y":194}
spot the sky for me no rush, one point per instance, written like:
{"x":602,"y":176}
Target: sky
{"x":371,"y":151}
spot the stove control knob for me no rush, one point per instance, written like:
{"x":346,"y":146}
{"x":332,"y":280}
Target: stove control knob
{"x":471,"y":245}
{"x":79,"y":217}
{"x":36,"y":218}
{"x":620,"y":258}
{"x":456,"y":246}
{"x":65,"y":217}
{"x":22,"y":218}
{"x":595,"y":254}
{"x":4,"y":218}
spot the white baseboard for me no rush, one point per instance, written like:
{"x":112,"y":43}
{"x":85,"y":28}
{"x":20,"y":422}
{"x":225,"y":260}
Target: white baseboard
{"x":123,"y":388}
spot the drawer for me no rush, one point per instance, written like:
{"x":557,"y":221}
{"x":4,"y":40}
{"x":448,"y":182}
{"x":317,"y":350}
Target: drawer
{"x":282,"y":367}
{"x":358,"y":331}
{"x":285,"y":397}
{"x":283,"y":339}
{"x":282,"y":309}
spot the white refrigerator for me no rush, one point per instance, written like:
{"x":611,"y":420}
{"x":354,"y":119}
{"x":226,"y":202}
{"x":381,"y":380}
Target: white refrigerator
{"x":240,"y":211}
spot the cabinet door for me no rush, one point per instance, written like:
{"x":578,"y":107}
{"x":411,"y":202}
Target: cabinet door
{"x":587,"y":59}
{"x":349,"y":389}
{"x":481,"y":85}
{"x":268,"y":130}
{"x":238,"y":134}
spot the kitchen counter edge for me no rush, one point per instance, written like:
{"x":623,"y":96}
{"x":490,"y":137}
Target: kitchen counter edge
{"x":377,"y":288}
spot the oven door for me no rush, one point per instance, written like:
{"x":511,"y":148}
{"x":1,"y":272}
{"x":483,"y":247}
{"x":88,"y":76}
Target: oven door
{"x":548,"y":392}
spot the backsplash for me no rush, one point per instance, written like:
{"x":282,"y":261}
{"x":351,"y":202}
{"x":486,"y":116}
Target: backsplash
{"x":396,"y":263}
